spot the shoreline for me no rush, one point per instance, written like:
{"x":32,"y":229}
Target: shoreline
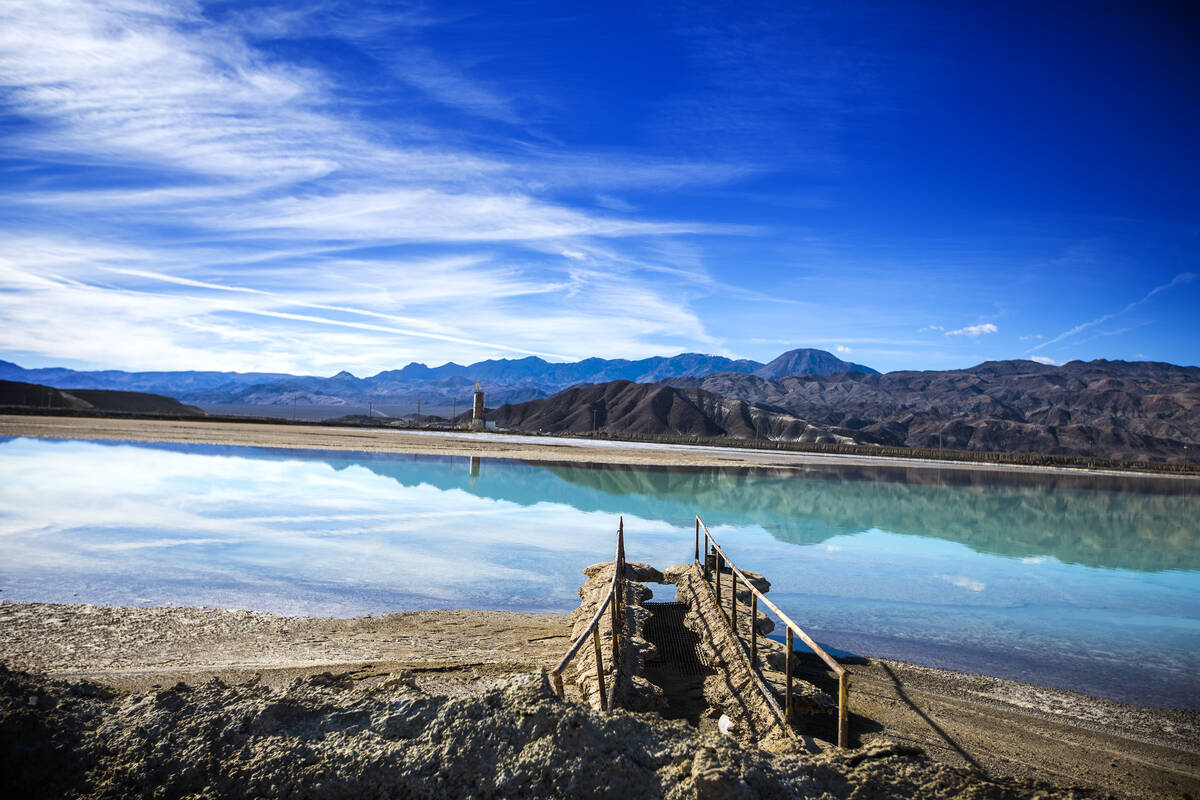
{"x":1003,"y":728}
{"x":491,"y":445}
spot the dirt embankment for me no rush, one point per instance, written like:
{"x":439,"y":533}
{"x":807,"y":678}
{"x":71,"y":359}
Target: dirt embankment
{"x":319,"y":738}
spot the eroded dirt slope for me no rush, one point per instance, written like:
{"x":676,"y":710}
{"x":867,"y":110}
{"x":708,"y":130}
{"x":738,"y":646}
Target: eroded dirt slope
{"x":318,"y":738}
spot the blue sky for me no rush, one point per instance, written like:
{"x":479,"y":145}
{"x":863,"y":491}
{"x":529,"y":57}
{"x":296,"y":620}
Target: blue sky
{"x":312,"y":187}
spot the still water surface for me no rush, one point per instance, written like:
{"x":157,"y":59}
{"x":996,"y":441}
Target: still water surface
{"x":1077,"y":582}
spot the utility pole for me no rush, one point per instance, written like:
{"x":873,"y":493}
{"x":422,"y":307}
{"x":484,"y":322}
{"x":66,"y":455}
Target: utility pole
{"x":453,"y":409}
{"x":294,"y":407}
{"x":418,"y":411}
{"x":593,"y":420}
{"x":370,"y":408}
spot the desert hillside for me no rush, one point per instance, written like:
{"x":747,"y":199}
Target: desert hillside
{"x":1109,"y":409}
{"x":640,"y":408}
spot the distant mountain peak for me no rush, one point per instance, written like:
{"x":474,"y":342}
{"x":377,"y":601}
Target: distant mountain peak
{"x":809,"y":361}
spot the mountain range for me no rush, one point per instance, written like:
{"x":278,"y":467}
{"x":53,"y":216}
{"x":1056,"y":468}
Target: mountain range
{"x":504,"y":380}
{"x":1110,"y":409}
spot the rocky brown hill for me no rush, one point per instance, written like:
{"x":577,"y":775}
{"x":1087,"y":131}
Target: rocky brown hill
{"x":31,"y":395}
{"x":640,"y":408}
{"x":1110,"y":409}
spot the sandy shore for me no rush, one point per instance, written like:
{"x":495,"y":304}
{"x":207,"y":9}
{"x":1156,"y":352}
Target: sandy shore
{"x":485,"y":445}
{"x":1002,"y":728}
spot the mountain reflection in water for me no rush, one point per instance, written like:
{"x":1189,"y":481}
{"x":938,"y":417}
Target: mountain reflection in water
{"x":1095,"y":521}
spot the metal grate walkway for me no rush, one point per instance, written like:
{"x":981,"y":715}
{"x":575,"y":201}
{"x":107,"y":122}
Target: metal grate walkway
{"x":678,"y":647}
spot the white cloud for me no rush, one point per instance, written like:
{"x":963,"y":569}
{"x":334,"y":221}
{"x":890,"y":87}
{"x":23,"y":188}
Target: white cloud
{"x":974,"y":330}
{"x":1050,"y":362}
{"x":931,"y":328}
{"x":99,"y":303}
{"x":842,"y":349}
{"x":122,"y":81}
{"x":424,"y":214}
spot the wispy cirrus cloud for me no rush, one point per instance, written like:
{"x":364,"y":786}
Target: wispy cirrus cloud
{"x":93,"y":302}
{"x":1178,"y":280}
{"x":227,"y":213}
{"x":126,"y":81}
{"x":424,"y":70}
{"x":974,"y":330}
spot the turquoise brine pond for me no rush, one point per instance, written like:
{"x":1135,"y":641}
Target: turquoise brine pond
{"x":1079,"y":582}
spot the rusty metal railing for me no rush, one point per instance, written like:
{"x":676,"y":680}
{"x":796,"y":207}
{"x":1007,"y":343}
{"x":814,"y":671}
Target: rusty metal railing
{"x":713,"y":564}
{"x":614,"y":603}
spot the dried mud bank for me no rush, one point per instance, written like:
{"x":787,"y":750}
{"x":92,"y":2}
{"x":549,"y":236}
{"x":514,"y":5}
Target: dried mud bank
{"x":319,"y":738}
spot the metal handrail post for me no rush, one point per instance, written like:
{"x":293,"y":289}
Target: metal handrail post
{"x":753,"y":629}
{"x":707,"y":555}
{"x":719,"y":566}
{"x":616,"y":634}
{"x":844,"y":710}
{"x":618,"y":608}
{"x":733,"y":605}
{"x":599,"y":668}
{"x":787,"y":668}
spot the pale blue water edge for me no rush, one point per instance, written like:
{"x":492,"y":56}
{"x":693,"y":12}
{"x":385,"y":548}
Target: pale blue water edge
{"x":1084,"y":583}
